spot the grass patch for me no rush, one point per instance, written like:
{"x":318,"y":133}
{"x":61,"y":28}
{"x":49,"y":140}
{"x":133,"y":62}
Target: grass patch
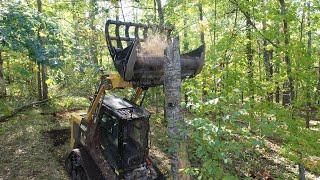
{"x":26,"y":153}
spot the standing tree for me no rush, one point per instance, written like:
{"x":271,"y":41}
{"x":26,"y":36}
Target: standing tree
{"x":2,"y":82}
{"x":288,"y":94}
{"x":204,"y":82}
{"x":172,"y":90}
{"x":43,"y":87}
{"x":160,"y":12}
{"x":267,"y":55}
{"x":93,"y":40}
{"x":309,"y":66}
{"x":249,"y":54}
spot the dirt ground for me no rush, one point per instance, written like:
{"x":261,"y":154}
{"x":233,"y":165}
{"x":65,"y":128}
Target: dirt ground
{"x":34,"y":145}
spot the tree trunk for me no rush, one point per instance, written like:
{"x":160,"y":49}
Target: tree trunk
{"x":309,"y":30}
{"x":249,"y":58}
{"x":39,"y":82}
{"x":318,"y":88}
{"x":277,"y":71}
{"x":2,"y":81}
{"x":288,"y":93}
{"x":301,"y":38}
{"x":204,"y":82}
{"x":259,"y":57}
{"x":201,"y":19}
{"x":277,"y":93}
{"x":185,"y":49}
{"x":93,"y":39}
{"x":76,"y":31}
{"x":8,"y":77}
{"x":302,"y":24}
{"x":302,"y":172}
{"x":43,"y":65}
{"x":214,"y":41}
{"x":117,"y":11}
{"x":160,"y":13}
{"x":310,"y":64}
{"x":267,"y":55}
{"x":154,"y":11}
{"x":157,"y":99}
{"x":44,"y":82}
{"x":173,"y":115}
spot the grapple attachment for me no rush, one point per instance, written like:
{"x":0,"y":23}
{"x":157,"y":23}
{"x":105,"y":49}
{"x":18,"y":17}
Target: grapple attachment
{"x":145,"y":70}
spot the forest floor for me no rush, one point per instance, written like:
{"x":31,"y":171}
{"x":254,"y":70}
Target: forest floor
{"x":35,"y":142}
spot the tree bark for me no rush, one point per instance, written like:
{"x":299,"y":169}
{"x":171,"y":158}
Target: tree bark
{"x":44,"y":93}
{"x":249,"y":58}
{"x":76,"y":30}
{"x":154,"y":11}
{"x":267,"y":55}
{"x":215,"y":40}
{"x":297,"y":85}
{"x":44,"y":81}
{"x":288,"y":93}
{"x":309,"y":30}
{"x":93,"y":39}
{"x":310,"y":64}
{"x":302,"y":172}
{"x":2,"y":81}
{"x":39,"y":79}
{"x":318,"y":88}
{"x":302,"y":25}
{"x":204,"y":82}
{"x":39,"y":82}
{"x":160,"y":13}
{"x":173,"y":115}
{"x":185,"y":49}
{"x":277,"y":70}
{"x":201,"y":19}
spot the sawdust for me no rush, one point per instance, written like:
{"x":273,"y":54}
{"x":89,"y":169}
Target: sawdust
{"x":154,"y":45}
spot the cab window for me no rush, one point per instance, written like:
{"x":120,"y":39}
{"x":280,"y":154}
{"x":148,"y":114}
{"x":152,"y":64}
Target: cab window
{"x":109,"y":130}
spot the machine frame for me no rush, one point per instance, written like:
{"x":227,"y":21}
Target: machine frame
{"x":86,"y":141}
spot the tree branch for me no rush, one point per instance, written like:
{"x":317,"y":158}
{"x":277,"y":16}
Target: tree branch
{"x":247,"y":15}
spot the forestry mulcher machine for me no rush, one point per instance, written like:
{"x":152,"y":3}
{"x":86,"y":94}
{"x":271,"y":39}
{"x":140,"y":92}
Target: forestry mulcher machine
{"x":110,"y":141}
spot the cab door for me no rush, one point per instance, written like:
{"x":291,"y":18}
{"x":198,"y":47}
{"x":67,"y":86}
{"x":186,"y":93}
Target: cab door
{"x":109,"y":138}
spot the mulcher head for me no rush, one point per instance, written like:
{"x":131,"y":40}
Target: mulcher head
{"x":145,"y":70}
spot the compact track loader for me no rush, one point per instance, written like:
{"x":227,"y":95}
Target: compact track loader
{"x":110,"y":141}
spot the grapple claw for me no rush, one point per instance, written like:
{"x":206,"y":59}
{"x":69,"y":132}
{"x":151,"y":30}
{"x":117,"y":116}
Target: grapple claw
{"x":145,"y":70}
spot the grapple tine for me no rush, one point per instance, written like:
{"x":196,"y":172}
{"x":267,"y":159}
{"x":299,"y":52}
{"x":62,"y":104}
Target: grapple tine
{"x":127,"y":33}
{"x":136,"y":32}
{"x":119,"y":44}
{"x":145,"y":33}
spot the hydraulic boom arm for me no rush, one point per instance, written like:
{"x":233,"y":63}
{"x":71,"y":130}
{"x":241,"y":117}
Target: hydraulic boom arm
{"x":110,"y":82}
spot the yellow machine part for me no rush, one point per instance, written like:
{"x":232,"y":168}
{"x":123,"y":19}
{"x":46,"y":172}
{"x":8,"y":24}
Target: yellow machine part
{"x":117,"y":82}
{"x":75,"y":120}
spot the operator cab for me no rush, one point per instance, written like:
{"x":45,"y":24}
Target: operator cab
{"x":124,"y":129}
